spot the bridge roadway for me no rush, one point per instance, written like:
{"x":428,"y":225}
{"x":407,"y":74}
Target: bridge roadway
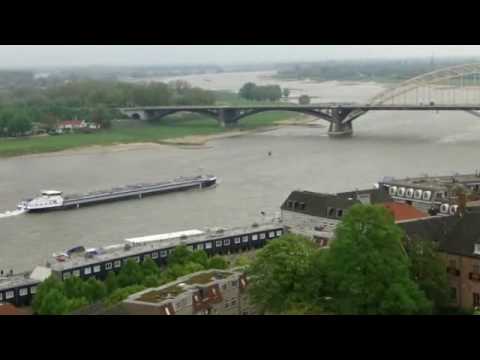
{"x":339,"y":115}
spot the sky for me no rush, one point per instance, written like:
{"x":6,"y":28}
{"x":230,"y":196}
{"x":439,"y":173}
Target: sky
{"x":82,"y":55}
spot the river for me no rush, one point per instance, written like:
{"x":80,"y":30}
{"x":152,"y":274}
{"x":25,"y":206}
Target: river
{"x":385,"y":144}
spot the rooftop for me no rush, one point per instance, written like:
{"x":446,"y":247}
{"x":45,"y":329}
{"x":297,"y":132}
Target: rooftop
{"x":435,"y":182}
{"x":18,"y":280}
{"x":189,"y":283}
{"x":401,"y":211}
{"x":125,"y":250}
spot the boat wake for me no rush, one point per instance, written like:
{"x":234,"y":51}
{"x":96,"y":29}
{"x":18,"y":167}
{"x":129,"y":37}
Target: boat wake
{"x":11,"y":213}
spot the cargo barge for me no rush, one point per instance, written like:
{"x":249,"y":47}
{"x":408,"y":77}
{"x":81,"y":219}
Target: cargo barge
{"x":54,"y":200}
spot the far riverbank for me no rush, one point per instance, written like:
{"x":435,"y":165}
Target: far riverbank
{"x":193,"y":131}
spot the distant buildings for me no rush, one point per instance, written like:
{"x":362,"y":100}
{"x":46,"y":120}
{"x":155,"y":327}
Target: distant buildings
{"x":73,"y":125}
{"x":316,"y":215}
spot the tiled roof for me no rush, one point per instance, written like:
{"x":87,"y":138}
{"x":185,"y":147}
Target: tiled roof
{"x":401,"y":211}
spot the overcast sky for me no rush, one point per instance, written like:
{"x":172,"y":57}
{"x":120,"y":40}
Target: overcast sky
{"x":53,"y":55}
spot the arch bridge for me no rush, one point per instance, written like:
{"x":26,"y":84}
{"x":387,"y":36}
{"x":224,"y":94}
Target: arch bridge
{"x":450,"y":89}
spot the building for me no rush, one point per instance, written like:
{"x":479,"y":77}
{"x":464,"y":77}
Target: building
{"x":458,"y":237}
{"x":210,"y":292}
{"x":86,"y":263}
{"x":72,"y":125}
{"x":316,"y":215}
{"x":17,"y":289}
{"x":437,"y":194}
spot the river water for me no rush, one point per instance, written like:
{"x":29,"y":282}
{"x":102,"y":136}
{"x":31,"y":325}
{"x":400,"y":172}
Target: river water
{"x":385,"y":144}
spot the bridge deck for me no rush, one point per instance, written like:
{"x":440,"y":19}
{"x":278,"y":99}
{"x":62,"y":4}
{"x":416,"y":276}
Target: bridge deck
{"x":364,"y":107}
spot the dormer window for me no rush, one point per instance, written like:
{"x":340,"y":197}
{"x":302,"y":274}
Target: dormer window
{"x":330,"y":212}
{"x":339,"y":213}
{"x":476,"y":250}
{"x":302,"y":206}
{"x":289,"y":204}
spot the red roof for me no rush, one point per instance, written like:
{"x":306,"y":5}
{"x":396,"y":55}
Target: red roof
{"x":401,"y":211}
{"x":9,"y":309}
{"x":72,"y":122}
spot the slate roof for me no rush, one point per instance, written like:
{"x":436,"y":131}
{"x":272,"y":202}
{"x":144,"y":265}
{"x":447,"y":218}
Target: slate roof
{"x":455,"y":234}
{"x":317,"y":204}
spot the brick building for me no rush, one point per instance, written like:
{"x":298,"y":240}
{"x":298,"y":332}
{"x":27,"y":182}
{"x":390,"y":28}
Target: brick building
{"x":210,"y":292}
{"x":458,"y":237}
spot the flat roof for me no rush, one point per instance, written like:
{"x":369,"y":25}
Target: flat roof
{"x":15,"y":281}
{"x":162,"y":237}
{"x":434,"y":182}
{"x":120,"y":251}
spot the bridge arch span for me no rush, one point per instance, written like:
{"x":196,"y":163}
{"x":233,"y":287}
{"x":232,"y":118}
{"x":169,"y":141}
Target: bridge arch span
{"x":314,"y":113}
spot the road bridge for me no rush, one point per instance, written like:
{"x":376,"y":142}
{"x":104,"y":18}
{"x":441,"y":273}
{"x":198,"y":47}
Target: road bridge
{"x":455,"y":88}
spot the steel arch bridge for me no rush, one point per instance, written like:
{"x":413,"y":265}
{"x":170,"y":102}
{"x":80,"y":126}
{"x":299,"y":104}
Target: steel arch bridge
{"x":455,"y":88}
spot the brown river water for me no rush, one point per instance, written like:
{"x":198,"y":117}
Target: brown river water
{"x":384,"y":144}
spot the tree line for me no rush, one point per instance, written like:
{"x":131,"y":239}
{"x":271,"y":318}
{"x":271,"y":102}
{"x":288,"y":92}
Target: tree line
{"x":88,"y":100}
{"x":252,"y":91}
{"x":55,"y":297}
{"x":368,"y":269}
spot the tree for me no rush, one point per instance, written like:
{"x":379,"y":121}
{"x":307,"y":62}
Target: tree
{"x":111,"y":282}
{"x":94,"y":290}
{"x":54,"y":303}
{"x":247,"y":91}
{"x":369,"y":267}
{"x":304,"y":100}
{"x":43,"y":290}
{"x":218,"y":263}
{"x":286,"y":92}
{"x":131,"y":274}
{"x":279,"y":274}
{"x":150,"y":268}
{"x":180,"y":256}
{"x":428,"y":270}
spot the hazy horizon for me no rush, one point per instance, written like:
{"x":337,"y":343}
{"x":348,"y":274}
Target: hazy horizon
{"x":43,"y":56}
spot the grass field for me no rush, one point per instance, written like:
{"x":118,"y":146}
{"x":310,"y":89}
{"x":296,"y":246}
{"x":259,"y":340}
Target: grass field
{"x":124,"y":132}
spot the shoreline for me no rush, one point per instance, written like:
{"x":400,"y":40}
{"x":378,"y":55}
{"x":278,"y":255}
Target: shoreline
{"x":187,"y":142}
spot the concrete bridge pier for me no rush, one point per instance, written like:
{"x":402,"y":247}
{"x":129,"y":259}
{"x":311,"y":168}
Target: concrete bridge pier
{"x":228,"y":117}
{"x":339,"y":129}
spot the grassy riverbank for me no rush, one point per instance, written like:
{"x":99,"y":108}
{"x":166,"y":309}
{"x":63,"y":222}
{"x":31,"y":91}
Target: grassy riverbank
{"x":125,"y":132}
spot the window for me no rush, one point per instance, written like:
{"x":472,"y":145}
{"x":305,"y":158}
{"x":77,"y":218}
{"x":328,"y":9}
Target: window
{"x":9,"y":295}
{"x":117,"y":263}
{"x":226,"y":242}
{"x":330,"y":212}
{"x":476,"y":269}
{"x":302,"y":206}
{"x":97,"y":268}
{"x":218,"y":243}
{"x":170,"y":251}
{"x":453,"y":294}
{"x":476,"y":299}
{"x":163,"y":253}
{"x":66,"y":275}
{"x":254,"y":237}
{"x":200,"y":246}
{"x":295,"y":205}
{"x":136,"y":259}
{"x":245,"y":239}
{"x":146,"y":256}
{"x":208,"y":245}
{"x":76,"y":273}
{"x":262,"y":236}
{"x":33,"y":290}
{"x":155,"y":255}
{"x":279,"y":232}
{"x":289,"y":204}
{"x":24,"y":292}
{"x":108,"y":266}
{"x":87,"y":270}
{"x":271,"y":234}
{"x":339,"y":213}
{"x":237,"y":240}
